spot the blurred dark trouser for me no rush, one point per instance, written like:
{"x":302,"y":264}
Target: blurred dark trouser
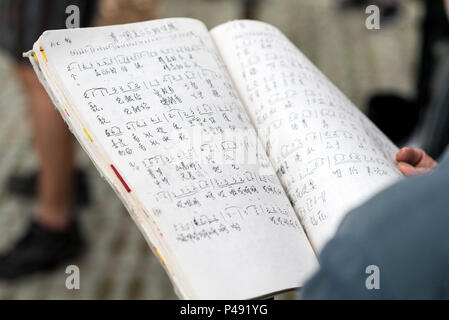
{"x":401,"y":118}
{"x":251,"y":8}
{"x":436,"y":124}
{"x":432,"y":86}
{"x":435,"y":29}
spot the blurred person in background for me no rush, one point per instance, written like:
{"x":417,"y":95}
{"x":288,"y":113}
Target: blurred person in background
{"x":53,"y":236}
{"x":423,"y":119}
{"x":402,"y":232}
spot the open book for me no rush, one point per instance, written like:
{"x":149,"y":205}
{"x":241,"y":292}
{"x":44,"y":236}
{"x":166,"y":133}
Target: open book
{"x":234,"y":155}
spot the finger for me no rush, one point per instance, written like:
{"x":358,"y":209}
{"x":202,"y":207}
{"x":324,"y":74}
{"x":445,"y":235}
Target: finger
{"x":427,"y":162}
{"x":410,"y":155}
{"x":409,"y":170}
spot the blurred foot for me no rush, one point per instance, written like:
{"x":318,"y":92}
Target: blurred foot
{"x":395,"y":116}
{"x":41,"y":249}
{"x":25,"y":185}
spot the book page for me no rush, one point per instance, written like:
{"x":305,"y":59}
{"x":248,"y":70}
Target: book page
{"x":328,"y":155}
{"x":156,"y":99}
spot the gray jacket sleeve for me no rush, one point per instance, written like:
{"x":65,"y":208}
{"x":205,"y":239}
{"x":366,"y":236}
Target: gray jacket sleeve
{"x":404,"y":232}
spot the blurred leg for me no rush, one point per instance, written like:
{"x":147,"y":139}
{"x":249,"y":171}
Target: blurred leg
{"x":251,"y":9}
{"x":435,"y":132}
{"x":55,"y":153}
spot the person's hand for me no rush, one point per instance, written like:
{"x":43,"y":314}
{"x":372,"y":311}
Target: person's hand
{"x":413,"y":161}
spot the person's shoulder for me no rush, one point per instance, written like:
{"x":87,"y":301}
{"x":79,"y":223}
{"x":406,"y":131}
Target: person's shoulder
{"x":402,"y":234}
{"x":421,"y":200}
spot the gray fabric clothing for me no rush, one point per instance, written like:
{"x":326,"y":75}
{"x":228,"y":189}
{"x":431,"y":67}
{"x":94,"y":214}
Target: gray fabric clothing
{"x":403,"y":230}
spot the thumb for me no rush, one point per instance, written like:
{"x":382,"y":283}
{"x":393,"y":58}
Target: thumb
{"x":409,"y":170}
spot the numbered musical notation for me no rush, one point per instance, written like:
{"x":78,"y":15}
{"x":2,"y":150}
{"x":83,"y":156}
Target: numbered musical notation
{"x":325,"y":151}
{"x":162,"y":104}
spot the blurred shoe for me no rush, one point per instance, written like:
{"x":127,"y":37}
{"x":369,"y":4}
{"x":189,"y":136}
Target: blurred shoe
{"x":25,"y":185}
{"x":41,"y":249}
{"x":395,"y":116}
